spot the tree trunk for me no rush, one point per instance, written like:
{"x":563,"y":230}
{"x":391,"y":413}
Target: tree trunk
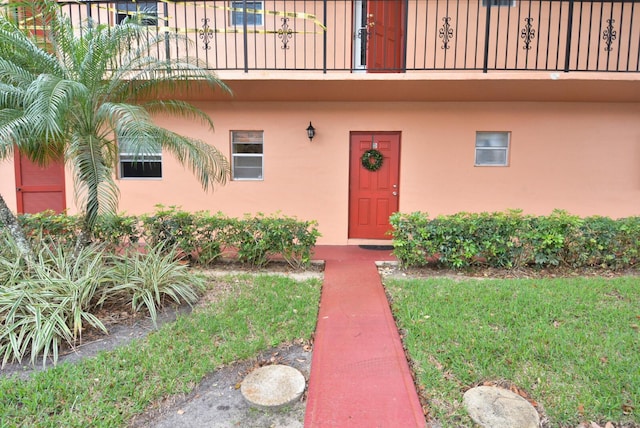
{"x":85,"y":237}
{"x":8,"y":220}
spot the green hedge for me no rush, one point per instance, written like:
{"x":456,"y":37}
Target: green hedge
{"x":202,"y":237}
{"x":511,"y":239}
{"x":114,"y":231}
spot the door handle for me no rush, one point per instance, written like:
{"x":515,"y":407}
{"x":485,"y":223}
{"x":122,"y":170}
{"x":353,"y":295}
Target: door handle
{"x":18,"y":189}
{"x":394,"y":193}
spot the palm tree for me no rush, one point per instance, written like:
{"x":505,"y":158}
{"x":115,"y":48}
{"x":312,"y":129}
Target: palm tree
{"x":74,"y":92}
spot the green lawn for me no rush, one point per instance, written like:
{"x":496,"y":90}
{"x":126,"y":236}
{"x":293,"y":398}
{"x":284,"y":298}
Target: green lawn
{"x":258,"y":313}
{"x":572,"y":344}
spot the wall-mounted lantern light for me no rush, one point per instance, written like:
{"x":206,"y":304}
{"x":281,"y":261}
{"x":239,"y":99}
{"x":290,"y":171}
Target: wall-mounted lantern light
{"x":311,"y":131}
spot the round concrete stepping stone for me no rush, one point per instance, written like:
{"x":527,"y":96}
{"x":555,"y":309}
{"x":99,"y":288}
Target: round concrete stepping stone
{"x":273,"y":386}
{"x":494,"y":407}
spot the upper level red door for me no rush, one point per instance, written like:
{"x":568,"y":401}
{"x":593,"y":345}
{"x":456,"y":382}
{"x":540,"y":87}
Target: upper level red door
{"x":386,"y":45}
{"x":39,"y":188}
{"x":373,"y":195}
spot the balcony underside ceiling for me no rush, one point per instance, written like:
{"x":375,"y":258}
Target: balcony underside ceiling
{"x":537,"y":87}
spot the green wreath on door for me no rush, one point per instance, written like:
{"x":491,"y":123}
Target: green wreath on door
{"x":372,"y":160}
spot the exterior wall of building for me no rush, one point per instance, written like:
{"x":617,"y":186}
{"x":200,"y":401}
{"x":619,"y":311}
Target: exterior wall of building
{"x":575,"y":137}
{"x":581,"y":157}
{"x":8,"y":183}
{"x":584,"y":158}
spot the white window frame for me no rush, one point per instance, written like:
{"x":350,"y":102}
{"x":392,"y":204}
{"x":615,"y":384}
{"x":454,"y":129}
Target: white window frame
{"x":498,"y":3}
{"x":142,"y":158}
{"x":359,"y":38}
{"x":484,"y":135}
{"x":234,"y":14}
{"x":234,"y":155}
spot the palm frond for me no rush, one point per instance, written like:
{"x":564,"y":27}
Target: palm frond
{"x":75,"y":90}
{"x":18,"y":47}
{"x":14,"y":129}
{"x":6,"y":147}
{"x":95,"y":185}
{"x":122,"y":118}
{"x":11,"y":97}
{"x":111,"y":49}
{"x":180,"y":109}
{"x":49,"y":99}
{"x":14,"y":75}
{"x":206,"y":162}
{"x":151,"y":78}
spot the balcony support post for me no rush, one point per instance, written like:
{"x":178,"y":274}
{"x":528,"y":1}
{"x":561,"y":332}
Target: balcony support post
{"x":567,"y":57}
{"x":324,"y":37}
{"x":245,"y":38}
{"x":167,"y":47}
{"x":405,"y":25}
{"x":487,"y":32}
{"x":89,"y":15}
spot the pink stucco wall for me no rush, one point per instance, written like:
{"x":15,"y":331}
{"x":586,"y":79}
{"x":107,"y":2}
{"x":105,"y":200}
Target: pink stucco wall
{"x":8,"y":183}
{"x":584,"y":158}
{"x":580,"y":156}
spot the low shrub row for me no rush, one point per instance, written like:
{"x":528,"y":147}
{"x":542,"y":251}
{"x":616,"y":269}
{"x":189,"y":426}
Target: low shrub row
{"x":200,"y":236}
{"x":511,"y":239}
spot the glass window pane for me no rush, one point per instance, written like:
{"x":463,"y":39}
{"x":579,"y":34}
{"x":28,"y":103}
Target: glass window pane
{"x":148,"y":10}
{"x":247,"y":148}
{"x":248,"y":161}
{"x":253,"y":19}
{"x":128,"y":146}
{"x":140,"y":158}
{"x":246,"y":136}
{"x":492,"y":139}
{"x":491,"y":157}
{"x":141,"y":169}
{"x":247,"y":167}
{"x":247,"y":173}
{"x":125,"y":146}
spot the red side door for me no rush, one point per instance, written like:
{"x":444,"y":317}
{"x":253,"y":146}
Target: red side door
{"x":386,"y":45}
{"x":39,"y":188}
{"x":373,"y":195}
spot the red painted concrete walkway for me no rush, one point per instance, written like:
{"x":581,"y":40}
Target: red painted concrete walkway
{"x":359,"y":373}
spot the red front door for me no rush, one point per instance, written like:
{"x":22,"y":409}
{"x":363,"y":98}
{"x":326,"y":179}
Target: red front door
{"x":39,"y":188}
{"x":373,"y":195}
{"x":385,"y":47}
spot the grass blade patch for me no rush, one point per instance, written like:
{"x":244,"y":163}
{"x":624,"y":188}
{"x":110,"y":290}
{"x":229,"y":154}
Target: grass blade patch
{"x":572,"y":344}
{"x":253,"y":314}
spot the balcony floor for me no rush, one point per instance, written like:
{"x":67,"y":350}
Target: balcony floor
{"x":429,"y":86}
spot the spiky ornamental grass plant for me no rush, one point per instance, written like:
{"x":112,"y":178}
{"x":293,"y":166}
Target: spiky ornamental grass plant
{"x":79,"y":88}
{"x":48,"y":303}
{"x":148,"y":280}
